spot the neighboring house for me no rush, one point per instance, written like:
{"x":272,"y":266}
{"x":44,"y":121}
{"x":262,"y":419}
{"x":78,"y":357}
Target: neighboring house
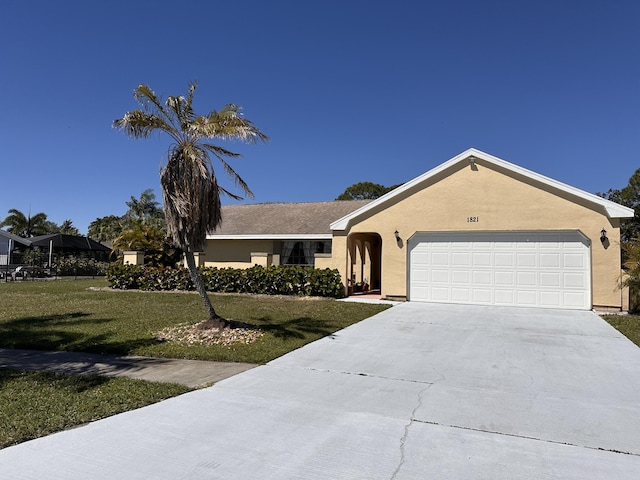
{"x":71,"y":245}
{"x":10,"y":243}
{"x":476,"y":229}
{"x":12,"y":246}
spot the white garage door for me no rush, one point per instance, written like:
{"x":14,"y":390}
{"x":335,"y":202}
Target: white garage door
{"x":533,"y":269}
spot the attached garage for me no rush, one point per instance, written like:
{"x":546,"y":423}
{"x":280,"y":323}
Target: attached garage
{"x":533,"y":269}
{"x":478,"y":229}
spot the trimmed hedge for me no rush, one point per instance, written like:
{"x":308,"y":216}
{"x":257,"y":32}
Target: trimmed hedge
{"x":271,"y":280}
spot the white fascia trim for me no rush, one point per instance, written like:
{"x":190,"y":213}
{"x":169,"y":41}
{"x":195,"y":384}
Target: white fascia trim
{"x":274,"y":236}
{"x":613,"y":209}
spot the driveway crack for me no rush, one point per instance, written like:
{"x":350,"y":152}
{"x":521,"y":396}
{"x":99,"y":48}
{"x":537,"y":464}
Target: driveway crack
{"x":403,"y":440}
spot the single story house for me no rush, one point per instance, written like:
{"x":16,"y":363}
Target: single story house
{"x":475,"y":229}
{"x":63,"y":244}
{"x":8,"y":243}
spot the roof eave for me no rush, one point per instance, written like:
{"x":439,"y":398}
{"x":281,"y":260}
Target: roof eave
{"x":612,"y":209}
{"x":273,"y":236}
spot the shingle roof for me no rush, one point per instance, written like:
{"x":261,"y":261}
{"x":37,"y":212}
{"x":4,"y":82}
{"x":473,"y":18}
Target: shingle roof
{"x":283,"y":219}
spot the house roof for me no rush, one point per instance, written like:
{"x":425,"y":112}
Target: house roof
{"x":297,"y":221}
{"x":612,"y":209}
{"x":15,"y":238}
{"x":68,"y":242}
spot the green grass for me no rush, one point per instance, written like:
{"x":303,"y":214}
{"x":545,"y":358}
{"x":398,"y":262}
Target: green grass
{"x":628,"y":325}
{"x":69,"y":316}
{"x":35,"y":404}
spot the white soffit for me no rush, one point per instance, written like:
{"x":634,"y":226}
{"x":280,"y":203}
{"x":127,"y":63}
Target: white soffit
{"x":614,"y":210}
{"x":274,"y":236}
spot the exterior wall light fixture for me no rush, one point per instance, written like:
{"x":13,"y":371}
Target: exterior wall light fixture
{"x":398,"y":239}
{"x":603,"y":235}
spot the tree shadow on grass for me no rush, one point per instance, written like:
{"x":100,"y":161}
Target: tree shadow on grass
{"x":299,"y":328}
{"x":57,"y":332}
{"x":73,"y":384}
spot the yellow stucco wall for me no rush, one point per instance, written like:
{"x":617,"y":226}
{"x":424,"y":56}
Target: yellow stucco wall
{"x":501,"y":201}
{"x":235,"y":253}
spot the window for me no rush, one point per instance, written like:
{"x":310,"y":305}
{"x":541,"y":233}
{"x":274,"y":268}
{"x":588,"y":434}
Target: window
{"x":302,"y":253}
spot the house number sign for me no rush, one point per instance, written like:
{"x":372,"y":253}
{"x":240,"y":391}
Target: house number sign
{"x":473,"y":219}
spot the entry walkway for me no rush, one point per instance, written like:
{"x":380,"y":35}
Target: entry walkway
{"x":417,"y":391}
{"x":192,"y":373}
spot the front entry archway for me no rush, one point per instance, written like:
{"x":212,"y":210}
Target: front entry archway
{"x":365,"y":262}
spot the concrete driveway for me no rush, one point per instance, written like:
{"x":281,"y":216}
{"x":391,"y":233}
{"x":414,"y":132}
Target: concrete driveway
{"x":418,"y":391}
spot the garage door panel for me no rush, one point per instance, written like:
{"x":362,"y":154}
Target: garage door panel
{"x":482,"y":295}
{"x":504,"y":278}
{"x":482,"y":259}
{"x":545,"y":269}
{"x":461,"y":259}
{"x":440,"y":294}
{"x":524,"y":260}
{"x":461,"y":277}
{"x":574,"y":260}
{"x":504,"y":259}
{"x":482,"y":277}
{"x":504,"y":297}
{"x":440,"y":276}
{"x":550,"y":279}
{"x":551,"y":299}
{"x":550,"y":260}
{"x":526,"y":279}
{"x":574,"y":280}
{"x":440,"y":258}
{"x":462,"y":295}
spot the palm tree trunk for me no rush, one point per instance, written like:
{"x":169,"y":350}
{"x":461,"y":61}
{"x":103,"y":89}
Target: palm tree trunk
{"x":214,"y":321}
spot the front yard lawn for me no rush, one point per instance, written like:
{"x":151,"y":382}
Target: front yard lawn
{"x":84,"y":316}
{"x":628,"y":325}
{"x":35,"y":404}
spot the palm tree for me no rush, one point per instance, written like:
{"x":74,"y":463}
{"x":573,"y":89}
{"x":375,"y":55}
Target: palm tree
{"x":25,"y":226}
{"x":67,"y":228}
{"x":145,"y":209}
{"x":190,"y":188}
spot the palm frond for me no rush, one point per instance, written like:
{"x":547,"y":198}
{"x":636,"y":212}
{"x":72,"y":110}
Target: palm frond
{"x":139,"y":124}
{"x":219,"y":151}
{"x":228,"y":124}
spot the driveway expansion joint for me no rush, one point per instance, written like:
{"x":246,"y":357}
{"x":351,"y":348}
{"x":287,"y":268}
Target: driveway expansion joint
{"x":363,"y":374}
{"x":525,"y":437}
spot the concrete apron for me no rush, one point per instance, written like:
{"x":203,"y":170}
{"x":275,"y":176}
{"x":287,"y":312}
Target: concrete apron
{"x":418,"y":391}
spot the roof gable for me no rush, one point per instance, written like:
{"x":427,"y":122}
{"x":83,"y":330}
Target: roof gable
{"x":613,"y":210}
{"x":283,"y":220}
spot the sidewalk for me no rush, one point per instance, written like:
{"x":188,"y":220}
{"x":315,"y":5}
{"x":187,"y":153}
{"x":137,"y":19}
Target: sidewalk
{"x":192,"y":373}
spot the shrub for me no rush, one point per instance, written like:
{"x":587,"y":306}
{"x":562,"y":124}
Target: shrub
{"x":271,"y":280}
{"x":79,"y":266}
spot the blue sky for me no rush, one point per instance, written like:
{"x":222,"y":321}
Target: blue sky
{"x":347,"y":90}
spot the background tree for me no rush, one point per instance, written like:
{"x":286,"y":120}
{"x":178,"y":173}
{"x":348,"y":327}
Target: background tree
{"x":145,"y":209}
{"x":67,"y":228}
{"x":190,"y":188}
{"x":106,"y":229}
{"x":26,"y":226}
{"x":365,"y":191}
{"x":629,"y":196}
{"x":142,"y":211}
{"x":150,"y":239}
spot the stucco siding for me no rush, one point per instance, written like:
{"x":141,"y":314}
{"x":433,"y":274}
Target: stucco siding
{"x":485,"y":198}
{"x":234,"y":253}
